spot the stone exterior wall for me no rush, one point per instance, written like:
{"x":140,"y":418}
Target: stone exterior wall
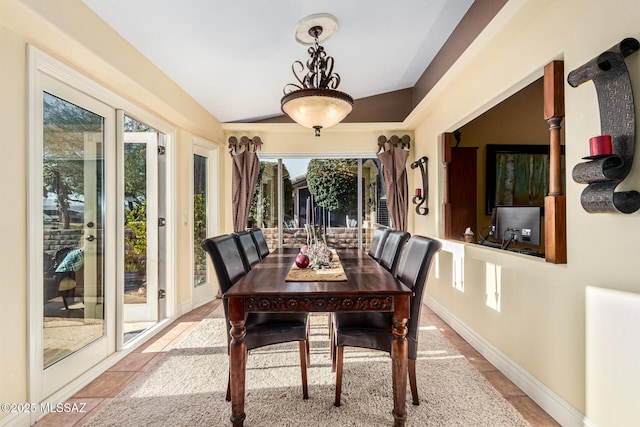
{"x":55,"y":240}
{"x":337,"y":237}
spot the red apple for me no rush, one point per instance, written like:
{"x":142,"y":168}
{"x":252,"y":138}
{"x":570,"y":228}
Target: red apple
{"x":302,"y":261}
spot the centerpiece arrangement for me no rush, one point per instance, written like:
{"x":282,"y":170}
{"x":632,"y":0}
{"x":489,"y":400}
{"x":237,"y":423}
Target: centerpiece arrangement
{"x":315,"y":253}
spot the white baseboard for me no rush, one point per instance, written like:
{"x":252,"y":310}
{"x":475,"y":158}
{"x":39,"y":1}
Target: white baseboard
{"x":185,"y":307}
{"x":202,"y":301}
{"x":16,"y":420}
{"x":554,"y":405}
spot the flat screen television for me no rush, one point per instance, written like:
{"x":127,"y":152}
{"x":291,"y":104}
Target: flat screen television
{"x":518,"y":225}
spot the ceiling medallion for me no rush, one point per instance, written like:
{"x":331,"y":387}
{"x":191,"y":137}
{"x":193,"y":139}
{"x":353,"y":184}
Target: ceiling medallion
{"x":314,"y":101}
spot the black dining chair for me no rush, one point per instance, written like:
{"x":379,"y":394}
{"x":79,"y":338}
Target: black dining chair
{"x":377,"y":242}
{"x":262,"y":329}
{"x":392,"y":248}
{"x":249,"y":250}
{"x":373,"y":330}
{"x":388,"y":250}
{"x":260,"y":241}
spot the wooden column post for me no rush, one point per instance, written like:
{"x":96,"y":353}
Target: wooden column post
{"x":555,"y":216}
{"x":447,"y":143}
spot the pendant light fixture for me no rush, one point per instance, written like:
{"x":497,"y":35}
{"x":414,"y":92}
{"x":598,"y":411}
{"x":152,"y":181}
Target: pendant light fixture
{"x":314,"y":101}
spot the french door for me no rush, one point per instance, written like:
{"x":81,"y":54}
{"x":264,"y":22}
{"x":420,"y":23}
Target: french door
{"x":141,"y":230}
{"x":77,"y":321}
{"x":80,"y":178}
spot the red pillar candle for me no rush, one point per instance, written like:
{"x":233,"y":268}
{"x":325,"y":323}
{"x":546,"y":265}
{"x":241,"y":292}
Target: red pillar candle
{"x":418,"y":192}
{"x":600,"y":145}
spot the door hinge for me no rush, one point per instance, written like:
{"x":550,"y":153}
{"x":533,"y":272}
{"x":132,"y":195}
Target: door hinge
{"x":161,"y":150}
{"x":162,"y":222}
{"x":162,"y":293}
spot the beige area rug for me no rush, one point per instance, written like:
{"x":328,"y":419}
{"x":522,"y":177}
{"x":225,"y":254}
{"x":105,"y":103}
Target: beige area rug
{"x":187,"y":386}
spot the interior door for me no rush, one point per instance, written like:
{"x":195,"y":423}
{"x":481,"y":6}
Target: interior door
{"x":141,"y":230}
{"x":78,"y":307}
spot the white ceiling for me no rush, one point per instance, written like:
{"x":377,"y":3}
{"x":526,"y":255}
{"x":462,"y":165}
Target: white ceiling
{"x":234,"y":56}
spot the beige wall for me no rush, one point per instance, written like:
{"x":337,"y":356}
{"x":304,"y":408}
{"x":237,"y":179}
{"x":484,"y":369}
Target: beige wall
{"x":13,"y":289}
{"x":541,"y":321}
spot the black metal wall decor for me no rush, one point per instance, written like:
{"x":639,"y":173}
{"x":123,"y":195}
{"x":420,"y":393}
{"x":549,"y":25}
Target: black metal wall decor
{"x":603,"y":173}
{"x":422,"y":194}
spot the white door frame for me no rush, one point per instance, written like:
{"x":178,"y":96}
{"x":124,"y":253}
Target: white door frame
{"x":44,"y":382}
{"x":204,"y":293}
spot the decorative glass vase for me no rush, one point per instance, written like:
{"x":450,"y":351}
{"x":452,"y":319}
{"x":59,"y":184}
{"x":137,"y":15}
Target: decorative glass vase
{"x":319,"y":254}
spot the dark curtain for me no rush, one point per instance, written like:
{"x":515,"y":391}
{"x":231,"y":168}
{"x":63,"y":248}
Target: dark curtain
{"x":394,"y":171}
{"x":246,"y":168}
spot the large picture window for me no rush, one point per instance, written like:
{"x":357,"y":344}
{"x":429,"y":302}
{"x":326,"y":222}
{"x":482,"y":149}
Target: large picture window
{"x":345,"y":198}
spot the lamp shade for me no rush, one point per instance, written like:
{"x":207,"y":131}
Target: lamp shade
{"x":317,"y":108}
{"x":314,"y":101}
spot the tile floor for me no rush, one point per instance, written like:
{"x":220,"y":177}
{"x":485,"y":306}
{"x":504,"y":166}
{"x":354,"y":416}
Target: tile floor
{"x":103,"y":389}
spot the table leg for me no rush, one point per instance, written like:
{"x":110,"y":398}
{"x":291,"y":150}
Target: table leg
{"x":399,"y":356}
{"x":237,"y":360}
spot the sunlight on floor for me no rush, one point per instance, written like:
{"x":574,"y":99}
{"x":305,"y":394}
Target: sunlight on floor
{"x":169,"y":339}
{"x":132,"y":330}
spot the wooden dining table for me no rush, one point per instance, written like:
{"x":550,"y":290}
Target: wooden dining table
{"x":369,"y":288}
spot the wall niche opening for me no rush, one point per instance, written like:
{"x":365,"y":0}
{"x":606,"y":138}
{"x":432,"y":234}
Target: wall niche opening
{"x":473,"y":186}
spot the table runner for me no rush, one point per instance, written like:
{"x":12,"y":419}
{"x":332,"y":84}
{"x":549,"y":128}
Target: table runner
{"x":335,"y":273}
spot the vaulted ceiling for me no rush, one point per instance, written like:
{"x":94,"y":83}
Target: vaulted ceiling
{"x":234,"y":57}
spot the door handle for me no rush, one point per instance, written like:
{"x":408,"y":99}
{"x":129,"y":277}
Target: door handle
{"x":91,"y":238}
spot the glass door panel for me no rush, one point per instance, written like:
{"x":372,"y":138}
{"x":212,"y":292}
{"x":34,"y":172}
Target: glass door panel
{"x":333,"y":183}
{"x":73,"y":228}
{"x":264,"y":206}
{"x":322,"y":192}
{"x":200,"y":218}
{"x":140,"y":227}
{"x":375,"y":212}
{"x":72,"y":306}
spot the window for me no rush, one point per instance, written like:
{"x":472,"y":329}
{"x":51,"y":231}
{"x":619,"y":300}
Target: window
{"x":345,"y":198}
{"x":204,"y":218}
